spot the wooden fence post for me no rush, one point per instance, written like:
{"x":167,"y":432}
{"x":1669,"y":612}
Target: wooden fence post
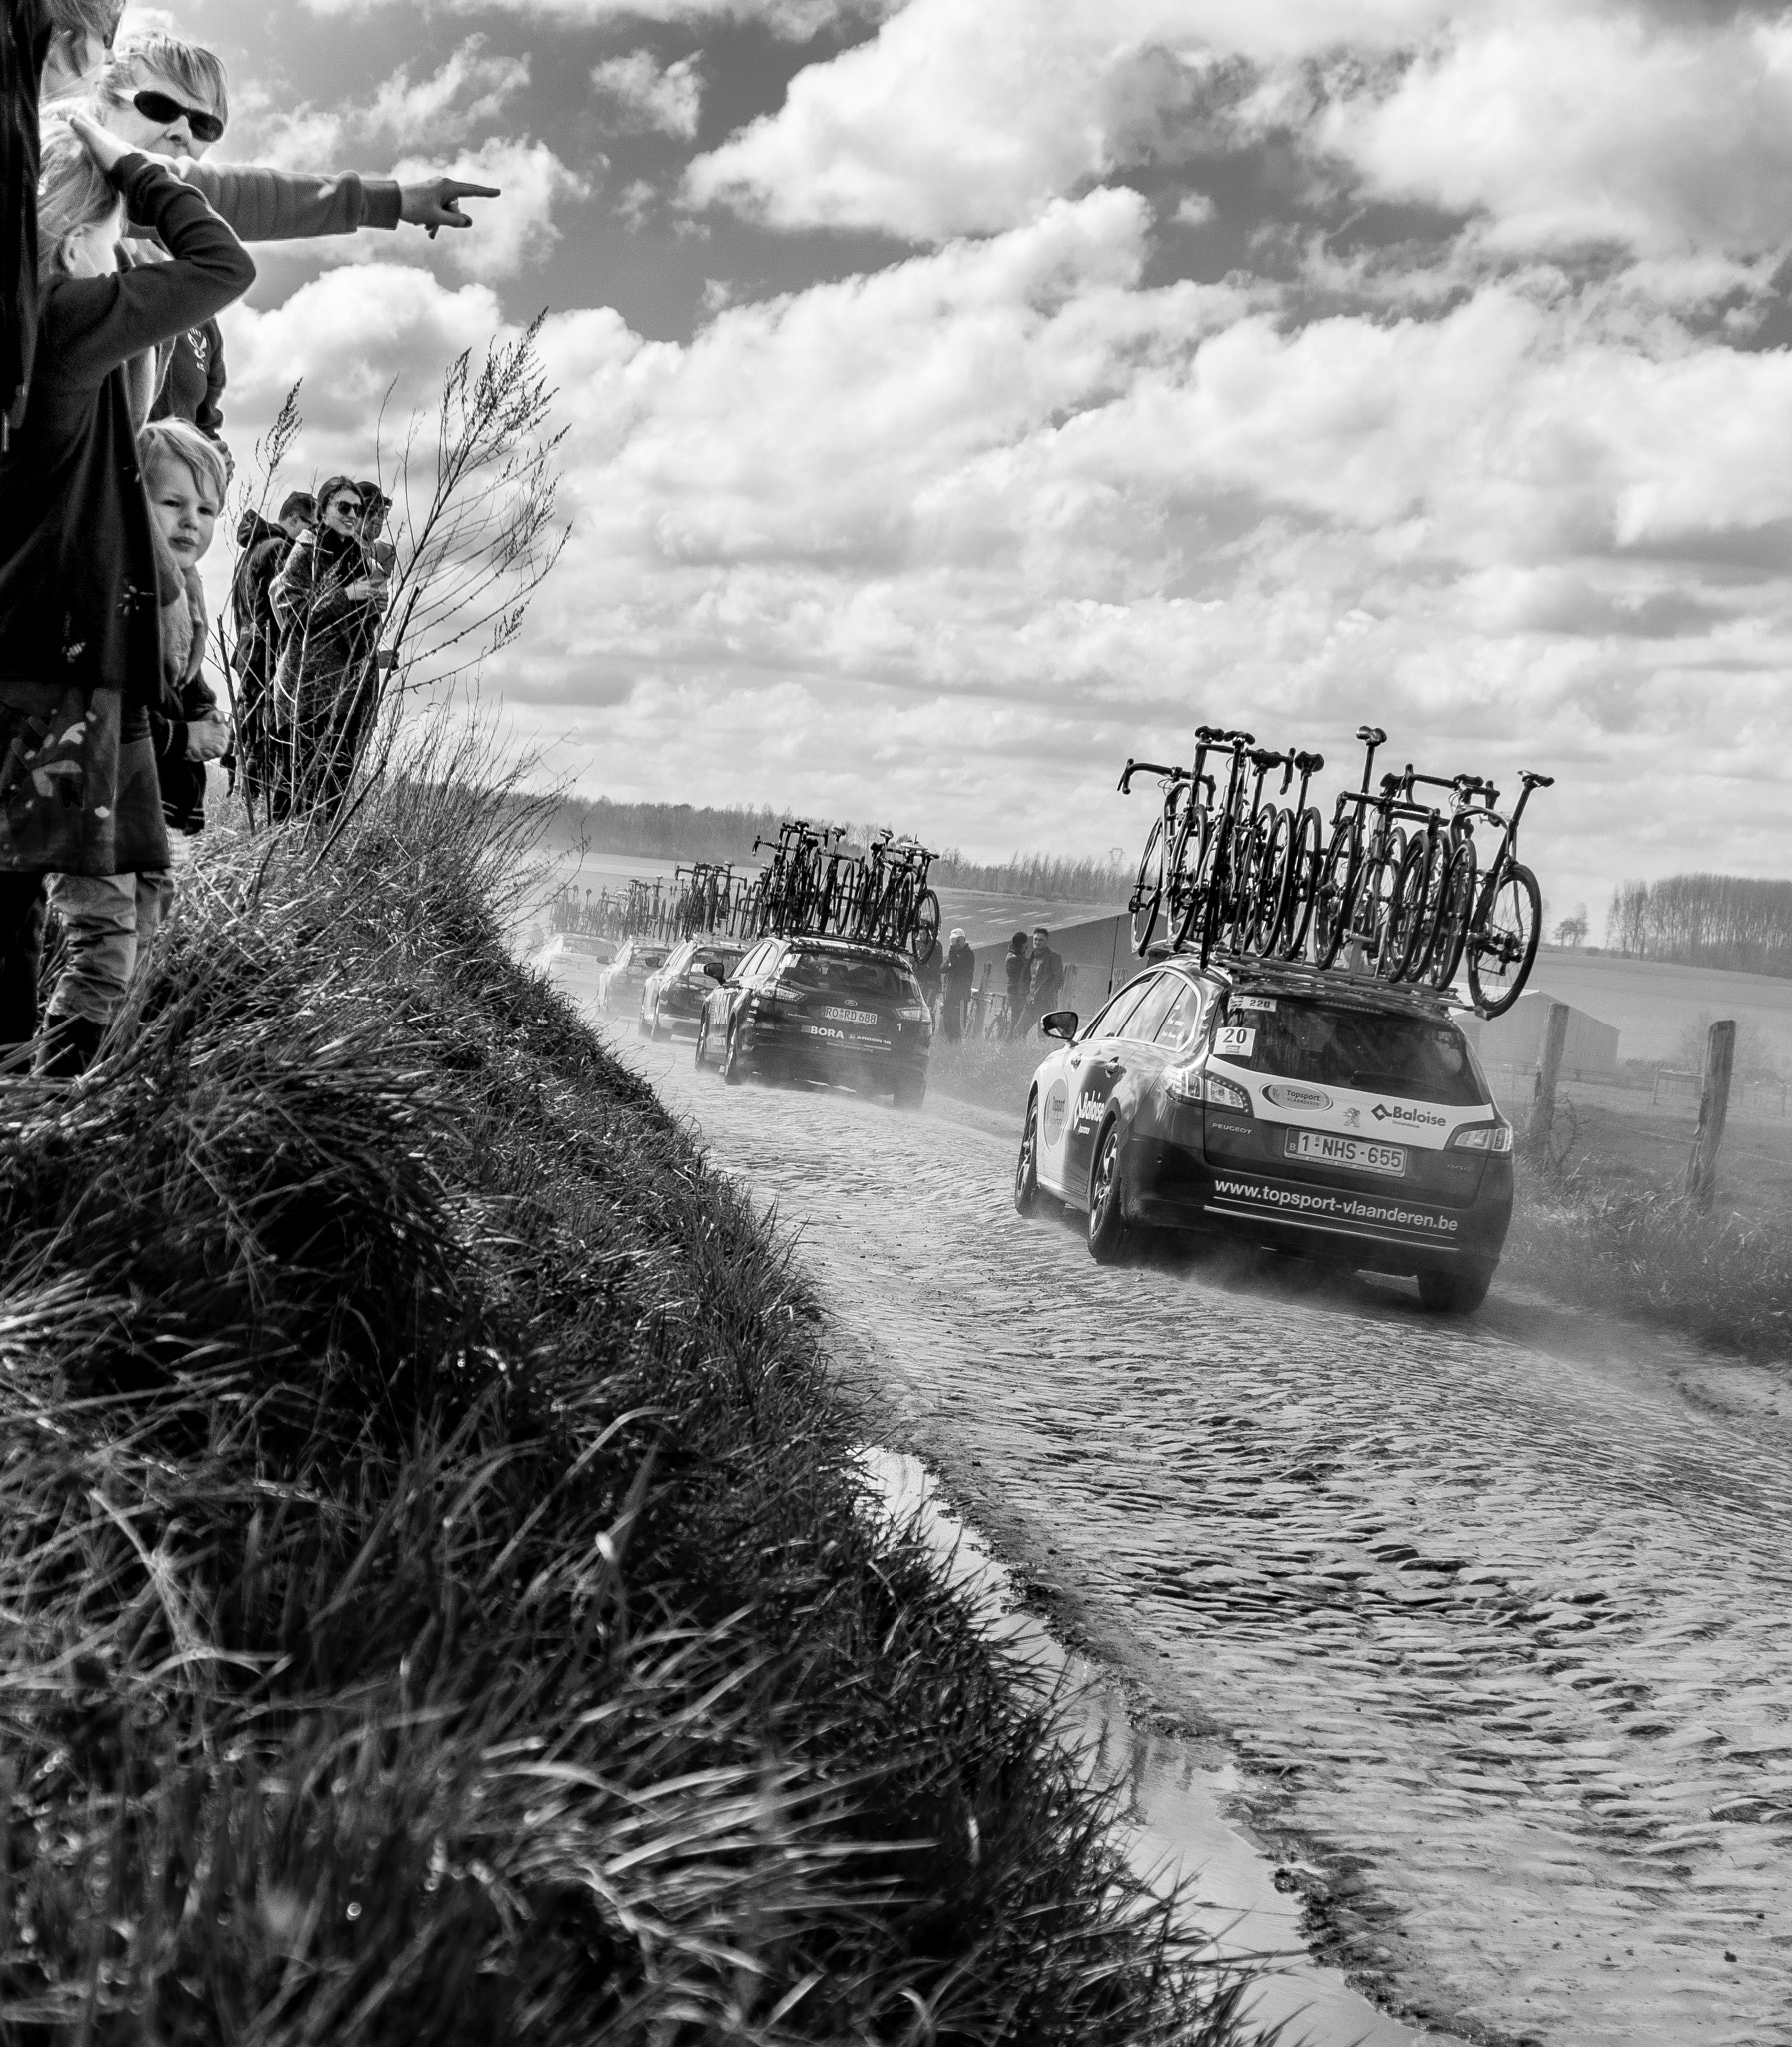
{"x":1714,"y":1109}
{"x":1555,"y":1035}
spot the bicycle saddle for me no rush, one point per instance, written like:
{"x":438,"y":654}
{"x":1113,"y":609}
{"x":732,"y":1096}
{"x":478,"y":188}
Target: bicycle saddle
{"x":1309,"y":764}
{"x":1371,"y":734}
{"x":1243,"y":738}
{"x":1532,"y":780}
{"x":1208,"y":731}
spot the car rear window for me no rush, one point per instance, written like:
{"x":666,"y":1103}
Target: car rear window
{"x":839,"y":974}
{"x":1331,"y":1045}
{"x":649,"y":956}
{"x":724,"y":955}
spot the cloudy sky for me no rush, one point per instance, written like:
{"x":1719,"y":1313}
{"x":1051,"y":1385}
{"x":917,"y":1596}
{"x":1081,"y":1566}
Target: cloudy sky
{"x":965,"y":394}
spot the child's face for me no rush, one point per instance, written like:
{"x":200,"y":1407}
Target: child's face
{"x":184,"y":509}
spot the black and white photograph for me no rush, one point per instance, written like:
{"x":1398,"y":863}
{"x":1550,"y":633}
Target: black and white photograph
{"x":896,"y":1023}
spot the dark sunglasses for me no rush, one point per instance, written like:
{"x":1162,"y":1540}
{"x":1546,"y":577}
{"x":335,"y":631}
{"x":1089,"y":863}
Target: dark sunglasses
{"x":157,"y":106}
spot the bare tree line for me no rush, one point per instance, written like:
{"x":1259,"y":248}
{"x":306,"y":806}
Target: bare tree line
{"x":727,"y":832}
{"x":1733,"y":921}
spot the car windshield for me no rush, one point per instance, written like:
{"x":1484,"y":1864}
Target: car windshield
{"x":1329,"y":1046}
{"x":840,"y":974}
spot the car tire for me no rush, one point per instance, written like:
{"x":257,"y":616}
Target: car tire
{"x":910,"y":1092}
{"x":700,"y":1056}
{"x":1026,"y":1166}
{"x":732,"y":1072}
{"x":1453,"y":1294}
{"x":1109,"y":1233}
{"x":657,"y":1030}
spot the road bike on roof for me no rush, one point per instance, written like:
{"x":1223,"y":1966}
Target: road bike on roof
{"x":1152,"y":890}
{"x":1501,"y":943}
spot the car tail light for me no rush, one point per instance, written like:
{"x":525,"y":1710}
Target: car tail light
{"x":1483,"y":1138}
{"x":914,"y":1015}
{"x":1196,"y":1083}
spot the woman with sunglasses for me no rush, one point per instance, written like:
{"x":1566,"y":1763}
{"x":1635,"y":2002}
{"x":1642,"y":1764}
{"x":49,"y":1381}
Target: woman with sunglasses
{"x":329,"y":599}
{"x":171,"y":98}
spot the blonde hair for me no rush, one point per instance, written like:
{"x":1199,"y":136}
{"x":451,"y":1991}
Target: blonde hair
{"x":72,"y":191}
{"x":198,"y":73}
{"x":165,"y":441}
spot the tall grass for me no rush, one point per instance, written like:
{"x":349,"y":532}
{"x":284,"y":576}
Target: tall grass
{"x":1642,"y":1250}
{"x":437,"y":1606}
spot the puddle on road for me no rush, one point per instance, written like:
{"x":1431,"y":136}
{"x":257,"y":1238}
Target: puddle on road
{"x":1175,"y":1822}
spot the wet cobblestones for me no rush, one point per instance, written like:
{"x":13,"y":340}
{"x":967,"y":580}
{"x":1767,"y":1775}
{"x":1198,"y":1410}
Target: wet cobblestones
{"x":1500,"y":1634}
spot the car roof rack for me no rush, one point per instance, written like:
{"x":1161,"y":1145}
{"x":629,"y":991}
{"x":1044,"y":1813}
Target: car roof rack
{"x":1248,"y":970}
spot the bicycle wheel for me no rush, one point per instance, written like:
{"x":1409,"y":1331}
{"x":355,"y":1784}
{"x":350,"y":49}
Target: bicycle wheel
{"x":1303,"y":884}
{"x":1201,"y":870}
{"x":923,"y":927}
{"x":1274,"y":873}
{"x":1455,"y":909}
{"x":1335,"y":898}
{"x":1372,"y":918}
{"x":1503,"y":941}
{"x":1183,"y":866}
{"x":1148,"y":889}
{"x":1409,"y":926}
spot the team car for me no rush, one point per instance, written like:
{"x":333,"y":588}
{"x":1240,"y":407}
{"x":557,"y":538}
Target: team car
{"x":671,"y":997}
{"x":1341,"y":1121}
{"x":821,"y":1008}
{"x":621,"y":982}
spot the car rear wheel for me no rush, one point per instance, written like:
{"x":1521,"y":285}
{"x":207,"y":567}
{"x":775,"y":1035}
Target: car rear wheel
{"x":732,"y":1072}
{"x":1026,"y":1169}
{"x":700,"y":1056}
{"x":1453,"y":1294}
{"x":1108,"y":1230}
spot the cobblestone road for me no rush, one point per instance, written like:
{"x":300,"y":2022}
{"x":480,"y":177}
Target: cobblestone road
{"x":1494,"y":1615}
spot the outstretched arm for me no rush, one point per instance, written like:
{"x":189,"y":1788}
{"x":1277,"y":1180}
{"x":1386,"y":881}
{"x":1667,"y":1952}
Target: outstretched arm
{"x":284,"y":206}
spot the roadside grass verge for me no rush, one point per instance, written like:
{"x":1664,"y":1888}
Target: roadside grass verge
{"x":1604,"y":1242}
{"x":437,"y":1604}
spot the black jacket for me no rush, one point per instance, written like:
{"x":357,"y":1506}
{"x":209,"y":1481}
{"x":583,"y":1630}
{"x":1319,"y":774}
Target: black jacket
{"x":24,"y":44}
{"x":77,"y":567}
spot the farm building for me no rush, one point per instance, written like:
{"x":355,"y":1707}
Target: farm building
{"x":1516,"y":1039}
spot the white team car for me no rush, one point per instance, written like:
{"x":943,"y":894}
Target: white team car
{"x":1339,"y":1119}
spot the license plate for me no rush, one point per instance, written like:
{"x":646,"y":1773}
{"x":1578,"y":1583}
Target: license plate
{"x":863,"y":1017}
{"x":1318,"y":1147}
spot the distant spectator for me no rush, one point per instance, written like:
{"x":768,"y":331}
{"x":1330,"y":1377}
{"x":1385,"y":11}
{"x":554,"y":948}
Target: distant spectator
{"x":328,"y":604}
{"x":959,"y":981}
{"x":1016,"y":972}
{"x":1044,"y":978}
{"x":262,"y":546}
{"x":375,"y":506}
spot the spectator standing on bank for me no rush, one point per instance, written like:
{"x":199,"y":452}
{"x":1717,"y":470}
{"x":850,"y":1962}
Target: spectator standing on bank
{"x":46,"y":47}
{"x":170,"y":98}
{"x":329,"y":603}
{"x":80,"y":636}
{"x":960,"y":980}
{"x":108,"y":921}
{"x":262,"y":545}
{"x":1044,"y":978}
{"x":1015,"y":965}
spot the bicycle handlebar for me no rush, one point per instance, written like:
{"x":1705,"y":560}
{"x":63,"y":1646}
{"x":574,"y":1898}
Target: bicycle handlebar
{"x":1149,"y":767}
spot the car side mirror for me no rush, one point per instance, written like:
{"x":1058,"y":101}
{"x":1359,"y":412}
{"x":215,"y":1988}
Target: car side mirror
{"x":712,"y":968}
{"x":1059,"y":1023}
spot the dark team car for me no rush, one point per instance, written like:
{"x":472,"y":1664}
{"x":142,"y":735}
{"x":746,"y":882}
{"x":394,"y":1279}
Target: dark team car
{"x":672,"y":996}
{"x":812,"y":1008}
{"x":1336,"y":1120}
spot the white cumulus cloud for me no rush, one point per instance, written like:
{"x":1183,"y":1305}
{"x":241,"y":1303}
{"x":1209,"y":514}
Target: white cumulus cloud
{"x":641,"y":93}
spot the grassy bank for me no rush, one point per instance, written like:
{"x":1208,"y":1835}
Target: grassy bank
{"x":437,"y":1604}
{"x":989,"y":1075}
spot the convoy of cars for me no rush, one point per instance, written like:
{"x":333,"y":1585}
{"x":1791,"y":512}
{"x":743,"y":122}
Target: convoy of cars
{"x":1343,"y":1121}
{"x":821,"y":1008}
{"x":671,"y":997}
